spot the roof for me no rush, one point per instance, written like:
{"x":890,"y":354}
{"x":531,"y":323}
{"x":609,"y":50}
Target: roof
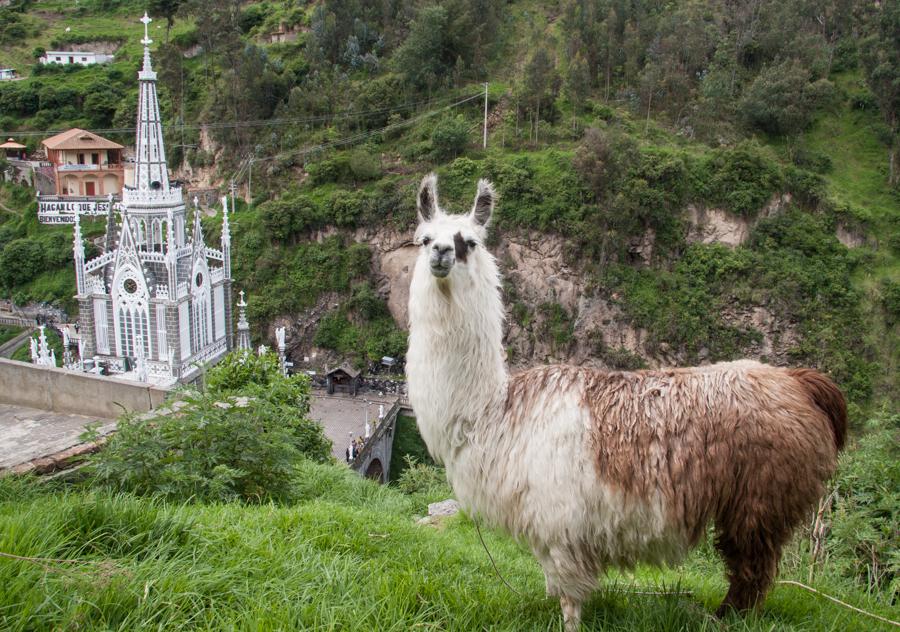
{"x":79,"y":139}
{"x":11,"y":144}
{"x":344,"y":369}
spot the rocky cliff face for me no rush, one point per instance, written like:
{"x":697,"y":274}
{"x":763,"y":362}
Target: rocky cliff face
{"x":554,"y":314}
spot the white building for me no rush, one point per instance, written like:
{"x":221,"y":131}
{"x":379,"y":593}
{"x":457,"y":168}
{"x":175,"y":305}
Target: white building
{"x":75,"y":58}
{"x":157,"y":303}
{"x":8,"y":74}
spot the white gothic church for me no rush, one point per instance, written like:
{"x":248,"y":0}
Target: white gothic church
{"x":157,"y":303}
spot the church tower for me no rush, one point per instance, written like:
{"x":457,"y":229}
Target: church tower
{"x":156,"y":305}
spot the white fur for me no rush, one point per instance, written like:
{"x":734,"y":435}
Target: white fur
{"x":534,"y":475}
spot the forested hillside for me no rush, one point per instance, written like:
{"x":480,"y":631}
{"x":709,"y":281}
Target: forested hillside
{"x":679,"y":182}
{"x":699,"y":181}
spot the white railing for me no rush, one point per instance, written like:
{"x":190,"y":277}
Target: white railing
{"x":139,"y":197}
{"x":204,"y":355}
{"x":216,"y":275}
{"x":212,"y":253}
{"x":156,"y":257}
{"x":99,"y":262}
{"x":182,"y":289}
{"x":162,"y":291}
{"x":94,"y":285}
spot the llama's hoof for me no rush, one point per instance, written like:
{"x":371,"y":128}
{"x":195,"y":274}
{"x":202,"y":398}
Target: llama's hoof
{"x":726,"y":608}
{"x":571,"y":611}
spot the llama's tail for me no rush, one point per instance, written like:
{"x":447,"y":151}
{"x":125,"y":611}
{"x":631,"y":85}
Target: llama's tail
{"x":828,"y":397}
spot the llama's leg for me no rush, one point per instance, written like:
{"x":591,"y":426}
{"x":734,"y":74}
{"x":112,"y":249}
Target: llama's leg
{"x":570,"y":577}
{"x":571,"y":611}
{"x":752,"y":563}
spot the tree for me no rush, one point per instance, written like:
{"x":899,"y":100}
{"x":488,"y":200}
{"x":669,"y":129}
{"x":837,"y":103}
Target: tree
{"x":423,"y":56}
{"x":782,"y":100}
{"x":881,"y":60}
{"x":164,"y":9}
{"x":538,"y":84}
{"x":577,"y":83}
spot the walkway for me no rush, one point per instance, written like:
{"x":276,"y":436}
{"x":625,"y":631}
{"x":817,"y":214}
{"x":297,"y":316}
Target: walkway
{"x":341,"y":415}
{"x":30,"y":434}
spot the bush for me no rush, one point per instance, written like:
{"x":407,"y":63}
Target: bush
{"x":742,"y":178}
{"x":420,"y":478}
{"x":365,"y":165}
{"x":449,"y":138}
{"x":890,"y":301}
{"x":865,"y":538}
{"x":240,"y":440}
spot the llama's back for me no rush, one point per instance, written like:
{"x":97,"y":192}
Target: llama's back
{"x":692,"y":443}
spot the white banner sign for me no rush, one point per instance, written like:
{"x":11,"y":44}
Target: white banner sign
{"x":60,"y":211}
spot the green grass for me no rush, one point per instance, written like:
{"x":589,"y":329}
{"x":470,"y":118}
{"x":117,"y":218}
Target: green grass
{"x":850,"y":138}
{"x":407,"y":442}
{"x":348,"y":557}
{"x":8,"y":332}
{"x":23,"y":353}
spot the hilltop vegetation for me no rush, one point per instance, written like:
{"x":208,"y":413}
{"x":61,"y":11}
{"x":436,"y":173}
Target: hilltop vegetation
{"x":609,"y":122}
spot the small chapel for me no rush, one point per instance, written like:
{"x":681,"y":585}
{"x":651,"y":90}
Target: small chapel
{"x":156,"y":305}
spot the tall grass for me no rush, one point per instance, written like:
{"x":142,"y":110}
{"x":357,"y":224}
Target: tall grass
{"x":349,"y":556}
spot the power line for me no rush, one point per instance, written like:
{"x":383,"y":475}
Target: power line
{"x":363,"y":135}
{"x":246,"y":123}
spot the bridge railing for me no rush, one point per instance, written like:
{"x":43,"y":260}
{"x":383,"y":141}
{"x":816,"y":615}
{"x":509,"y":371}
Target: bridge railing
{"x":384,"y":425}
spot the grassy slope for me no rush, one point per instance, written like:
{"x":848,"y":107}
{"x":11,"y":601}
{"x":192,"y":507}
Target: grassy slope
{"x":350,"y":557}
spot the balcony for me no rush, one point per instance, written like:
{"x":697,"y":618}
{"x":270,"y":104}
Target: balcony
{"x":87,"y":167}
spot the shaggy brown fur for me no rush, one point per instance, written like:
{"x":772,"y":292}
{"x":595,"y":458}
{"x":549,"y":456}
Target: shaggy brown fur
{"x":747,"y":446}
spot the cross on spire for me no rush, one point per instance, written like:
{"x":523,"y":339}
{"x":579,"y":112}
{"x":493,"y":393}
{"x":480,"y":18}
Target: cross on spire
{"x":146,"y":20}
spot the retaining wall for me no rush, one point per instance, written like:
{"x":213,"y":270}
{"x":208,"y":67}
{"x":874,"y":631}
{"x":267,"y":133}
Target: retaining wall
{"x":59,"y":390}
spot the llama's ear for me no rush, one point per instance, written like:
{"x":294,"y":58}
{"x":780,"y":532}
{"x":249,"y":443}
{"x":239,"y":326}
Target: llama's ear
{"x":427,"y":200}
{"x":484,"y":202}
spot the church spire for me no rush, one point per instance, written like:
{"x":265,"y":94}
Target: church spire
{"x":243,"y":341}
{"x":150,"y":169}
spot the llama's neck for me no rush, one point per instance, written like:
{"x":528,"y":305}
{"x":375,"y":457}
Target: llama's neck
{"x":455,"y":364}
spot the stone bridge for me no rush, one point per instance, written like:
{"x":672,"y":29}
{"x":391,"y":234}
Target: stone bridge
{"x":374,"y":459}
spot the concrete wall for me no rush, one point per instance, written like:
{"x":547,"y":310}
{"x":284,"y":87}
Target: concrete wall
{"x":65,"y":391}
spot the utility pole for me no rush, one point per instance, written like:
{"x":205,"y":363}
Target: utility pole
{"x":250,"y":183}
{"x":484,"y":143}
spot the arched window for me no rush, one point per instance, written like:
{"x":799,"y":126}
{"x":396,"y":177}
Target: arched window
{"x":201,"y":318}
{"x":131,"y":313}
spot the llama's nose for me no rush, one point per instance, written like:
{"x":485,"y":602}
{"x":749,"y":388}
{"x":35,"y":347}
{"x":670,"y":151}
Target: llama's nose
{"x":442,"y":250}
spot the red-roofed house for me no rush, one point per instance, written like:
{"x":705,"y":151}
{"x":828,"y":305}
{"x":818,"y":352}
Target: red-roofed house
{"x":85,"y":164}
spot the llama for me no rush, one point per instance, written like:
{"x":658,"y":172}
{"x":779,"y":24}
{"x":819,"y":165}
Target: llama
{"x":597,"y":469}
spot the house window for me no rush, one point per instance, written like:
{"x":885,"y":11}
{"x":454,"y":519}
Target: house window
{"x":80,"y":159}
{"x":59,"y":59}
{"x":84,"y":59}
{"x":95,"y":159}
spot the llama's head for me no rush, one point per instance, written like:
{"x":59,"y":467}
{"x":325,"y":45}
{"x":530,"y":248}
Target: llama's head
{"x":452,"y":244}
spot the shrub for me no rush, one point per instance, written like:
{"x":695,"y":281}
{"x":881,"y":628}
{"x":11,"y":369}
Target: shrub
{"x":890,"y":301}
{"x":421,"y":478}
{"x":742,"y":178}
{"x":365,"y":165}
{"x":449,"y":138}
{"x":240,"y":440}
{"x":865,"y":537}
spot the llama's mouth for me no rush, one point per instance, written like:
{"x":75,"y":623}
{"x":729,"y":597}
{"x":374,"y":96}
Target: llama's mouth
{"x":439,"y":270}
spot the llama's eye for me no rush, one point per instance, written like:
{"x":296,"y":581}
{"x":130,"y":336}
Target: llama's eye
{"x":426,"y":241}
{"x":471,"y":243}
